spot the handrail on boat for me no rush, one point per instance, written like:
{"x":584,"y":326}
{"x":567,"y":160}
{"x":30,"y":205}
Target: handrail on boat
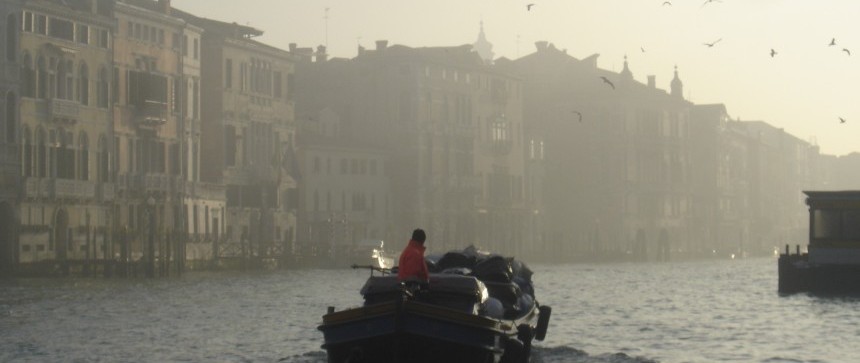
{"x":384,"y":271}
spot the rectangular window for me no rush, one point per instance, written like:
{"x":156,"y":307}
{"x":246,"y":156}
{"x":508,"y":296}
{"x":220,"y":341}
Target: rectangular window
{"x":83,"y":34}
{"x":62,"y":29}
{"x":160,"y":36}
{"x":185,"y":45}
{"x":42,"y":24}
{"x":130,"y":32}
{"x":138,"y":33}
{"x":103,"y":38}
{"x":196,"y":48}
{"x":228,"y":73}
{"x":278,"y":79}
{"x":28,"y":21}
{"x":175,"y":44}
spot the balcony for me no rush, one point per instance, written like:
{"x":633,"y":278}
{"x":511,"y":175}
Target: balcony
{"x":107,"y":192}
{"x":74,"y":189}
{"x":151,"y":114}
{"x":59,"y":188}
{"x":63,"y":110}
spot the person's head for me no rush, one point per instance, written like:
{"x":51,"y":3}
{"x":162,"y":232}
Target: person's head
{"x":419,"y":235}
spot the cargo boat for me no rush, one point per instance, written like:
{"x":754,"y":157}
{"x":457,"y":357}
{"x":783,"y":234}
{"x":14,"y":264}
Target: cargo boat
{"x":477,"y":308}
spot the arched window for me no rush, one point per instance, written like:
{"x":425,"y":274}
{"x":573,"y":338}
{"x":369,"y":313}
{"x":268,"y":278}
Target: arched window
{"x":65,"y":80}
{"x":26,"y":153}
{"x":11,"y":37}
{"x":41,"y":78}
{"x":41,"y":153}
{"x":83,"y":157}
{"x":102,"y":88}
{"x":11,"y":117}
{"x":84,"y":85}
{"x":103,"y":159}
{"x":28,"y":77}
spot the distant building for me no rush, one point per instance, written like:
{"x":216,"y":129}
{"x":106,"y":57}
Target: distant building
{"x":616,"y":168}
{"x":484,"y":47}
{"x":10,"y":138}
{"x":454,"y":127}
{"x":345,"y":191}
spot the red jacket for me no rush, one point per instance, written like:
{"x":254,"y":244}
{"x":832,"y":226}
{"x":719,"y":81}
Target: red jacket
{"x":412,"y":263}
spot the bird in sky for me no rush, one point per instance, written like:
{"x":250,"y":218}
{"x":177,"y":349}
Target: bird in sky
{"x":642,"y":49}
{"x":710,"y":1}
{"x":712,"y":44}
{"x":529,"y":7}
{"x":772,"y":52}
{"x":841,"y":120}
{"x":578,"y":114}
{"x":832,"y":42}
{"x":607,"y":81}
{"x":667,"y":3}
{"x":846,"y":51}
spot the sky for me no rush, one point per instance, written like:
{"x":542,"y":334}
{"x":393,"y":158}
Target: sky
{"x":805,"y":88}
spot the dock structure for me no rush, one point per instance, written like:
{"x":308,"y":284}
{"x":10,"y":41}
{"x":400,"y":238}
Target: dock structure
{"x":832,"y":261}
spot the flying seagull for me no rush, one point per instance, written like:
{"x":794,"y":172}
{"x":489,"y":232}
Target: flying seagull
{"x":643,"y":49}
{"x":772,"y":52}
{"x":832,"y":42}
{"x":529,"y":6}
{"x":711,"y":44}
{"x":607,"y":81}
{"x":841,"y":120}
{"x":710,"y":1}
{"x":846,"y":51}
{"x":667,"y":3}
{"x":578,"y":114}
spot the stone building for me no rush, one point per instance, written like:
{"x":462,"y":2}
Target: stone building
{"x":65,"y":112}
{"x":344,"y":193}
{"x":453,"y":125}
{"x":247,"y":132}
{"x":615,"y":156}
{"x":10,"y":162}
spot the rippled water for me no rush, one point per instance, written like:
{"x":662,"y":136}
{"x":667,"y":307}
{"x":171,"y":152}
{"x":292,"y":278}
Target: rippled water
{"x":714,"y":311}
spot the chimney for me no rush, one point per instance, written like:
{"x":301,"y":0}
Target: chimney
{"x":652,"y":81}
{"x":293,"y":47}
{"x":321,"y":55}
{"x":381,"y":44}
{"x":541,"y":45}
{"x":360,"y":50}
{"x":164,"y":6}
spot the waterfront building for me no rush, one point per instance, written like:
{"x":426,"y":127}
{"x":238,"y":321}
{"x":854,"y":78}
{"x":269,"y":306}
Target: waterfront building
{"x":453,"y":125}
{"x":344,"y":196}
{"x":615,"y":156}
{"x":10,"y":162}
{"x":66,"y":144}
{"x":247,"y":134}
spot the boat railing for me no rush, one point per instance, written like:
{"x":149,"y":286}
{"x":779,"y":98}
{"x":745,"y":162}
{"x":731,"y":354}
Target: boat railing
{"x":383,"y":271}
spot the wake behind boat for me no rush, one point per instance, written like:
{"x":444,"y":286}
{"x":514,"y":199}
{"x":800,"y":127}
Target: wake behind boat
{"x":478,"y":308}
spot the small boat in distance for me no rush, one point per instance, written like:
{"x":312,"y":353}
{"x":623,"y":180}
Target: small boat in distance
{"x":832,"y":263}
{"x":477,"y":308}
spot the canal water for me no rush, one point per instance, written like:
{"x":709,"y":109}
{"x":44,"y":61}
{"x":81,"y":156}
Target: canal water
{"x":711,"y":311}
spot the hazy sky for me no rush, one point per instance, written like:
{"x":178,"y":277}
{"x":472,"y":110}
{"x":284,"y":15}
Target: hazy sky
{"x":804,"y":89}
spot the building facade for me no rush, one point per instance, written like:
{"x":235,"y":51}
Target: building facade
{"x":65,"y":112}
{"x":10,"y":152}
{"x":453,"y":126}
{"x":614,"y":154}
{"x":247,"y":133}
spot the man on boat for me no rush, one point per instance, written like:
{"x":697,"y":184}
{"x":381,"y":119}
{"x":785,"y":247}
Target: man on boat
{"x":412,"y":266}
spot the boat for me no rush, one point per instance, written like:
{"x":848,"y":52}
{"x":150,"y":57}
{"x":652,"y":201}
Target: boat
{"x":831,"y":264}
{"x":477,"y":308}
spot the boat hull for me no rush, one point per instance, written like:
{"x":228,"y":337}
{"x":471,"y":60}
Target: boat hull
{"x":410,"y":331}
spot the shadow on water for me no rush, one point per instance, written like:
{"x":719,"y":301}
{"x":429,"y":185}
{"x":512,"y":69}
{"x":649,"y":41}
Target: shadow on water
{"x":539,"y":355}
